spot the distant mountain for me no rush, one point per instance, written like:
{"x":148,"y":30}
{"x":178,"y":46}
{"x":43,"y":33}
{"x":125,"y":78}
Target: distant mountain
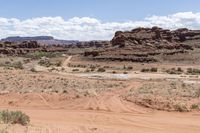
{"x":49,"y":40}
{"x":20,"y":39}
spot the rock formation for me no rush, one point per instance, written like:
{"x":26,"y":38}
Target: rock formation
{"x":145,"y":44}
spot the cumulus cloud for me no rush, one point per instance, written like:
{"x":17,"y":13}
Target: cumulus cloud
{"x":87,"y":28}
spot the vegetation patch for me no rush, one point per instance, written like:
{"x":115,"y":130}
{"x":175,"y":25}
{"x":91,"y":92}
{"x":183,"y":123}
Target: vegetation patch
{"x":14,"y":117}
{"x":153,"y":69}
{"x":193,"y":71}
{"x":166,"y":95}
{"x":39,"y":55}
{"x":101,"y":70}
{"x":48,"y":63}
{"x":16,"y":65}
{"x":175,"y":71}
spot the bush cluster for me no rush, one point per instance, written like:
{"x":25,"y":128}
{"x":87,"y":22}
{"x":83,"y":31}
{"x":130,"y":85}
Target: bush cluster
{"x":193,"y":71}
{"x":14,"y":117}
{"x":101,"y":70}
{"x":16,"y":65}
{"x":153,"y":69}
{"x":175,"y":71}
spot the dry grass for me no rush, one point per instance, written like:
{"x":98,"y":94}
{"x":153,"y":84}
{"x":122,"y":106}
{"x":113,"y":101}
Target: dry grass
{"x":167,"y":95}
{"x":25,"y":81}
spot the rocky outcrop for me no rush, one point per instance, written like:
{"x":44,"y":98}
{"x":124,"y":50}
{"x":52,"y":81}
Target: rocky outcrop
{"x":10,"y":48}
{"x":146,"y":44}
{"x":155,"y":37}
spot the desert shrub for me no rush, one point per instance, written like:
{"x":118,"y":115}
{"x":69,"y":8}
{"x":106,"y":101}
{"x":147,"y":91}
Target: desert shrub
{"x":179,"y":69}
{"x":193,"y":71}
{"x":107,"y":67}
{"x":87,"y":70}
{"x":171,"y":72}
{"x":197,"y":94}
{"x":45,"y":62}
{"x":91,"y":53}
{"x":27,"y":60}
{"x":75,"y":70}
{"x":33,"y":70}
{"x":92,"y":69}
{"x":124,"y":67}
{"x":65,"y":91}
{"x":129,"y":68}
{"x":194,"y":106}
{"x":145,"y":70}
{"x":58,"y":64}
{"x":17,"y":65}
{"x":154,"y":69}
{"x":14,"y":117}
{"x":7,"y":62}
{"x":125,"y":72}
{"x":174,"y":71}
{"x":114,"y":72}
{"x":55,"y":91}
{"x":101,"y":70}
{"x":180,"y":108}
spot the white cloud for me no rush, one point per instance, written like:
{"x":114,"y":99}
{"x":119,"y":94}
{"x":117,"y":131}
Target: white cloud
{"x":87,"y":28}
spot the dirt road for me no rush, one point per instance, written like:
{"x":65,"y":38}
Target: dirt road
{"x":76,"y":121}
{"x":66,"y":62}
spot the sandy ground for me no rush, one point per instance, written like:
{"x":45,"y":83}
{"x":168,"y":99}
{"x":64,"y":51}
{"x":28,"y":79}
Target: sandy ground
{"x":104,"y":113}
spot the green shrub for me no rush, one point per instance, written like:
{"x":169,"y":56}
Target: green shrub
{"x":194,"y":106}
{"x":14,"y":117}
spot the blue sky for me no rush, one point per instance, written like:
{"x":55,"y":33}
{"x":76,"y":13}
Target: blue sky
{"x":93,"y":19}
{"x":106,"y":10}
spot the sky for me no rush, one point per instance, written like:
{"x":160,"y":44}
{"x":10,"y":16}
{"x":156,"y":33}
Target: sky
{"x":93,"y":19}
